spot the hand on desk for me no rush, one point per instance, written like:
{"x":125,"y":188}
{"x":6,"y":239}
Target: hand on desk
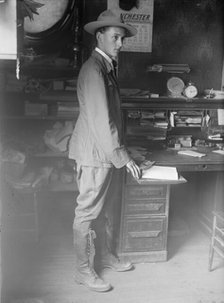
{"x":134,"y":169}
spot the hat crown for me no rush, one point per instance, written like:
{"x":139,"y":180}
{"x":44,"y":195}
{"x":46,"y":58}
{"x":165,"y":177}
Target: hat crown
{"x":109,"y":16}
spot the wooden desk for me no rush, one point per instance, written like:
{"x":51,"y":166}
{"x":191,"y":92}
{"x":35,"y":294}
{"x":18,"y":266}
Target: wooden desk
{"x":210,"y":179}
{"x":144,"y":219}
{"x":145,"y":205}
{"x":211,"y":162}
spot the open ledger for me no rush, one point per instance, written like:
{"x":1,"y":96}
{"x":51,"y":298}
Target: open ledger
{"x":160,"y":173}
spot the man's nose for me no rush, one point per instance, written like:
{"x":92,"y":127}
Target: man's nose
{"x":119,"y":43}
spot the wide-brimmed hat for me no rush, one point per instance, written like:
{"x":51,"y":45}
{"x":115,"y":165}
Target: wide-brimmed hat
{"x":109,"y":18}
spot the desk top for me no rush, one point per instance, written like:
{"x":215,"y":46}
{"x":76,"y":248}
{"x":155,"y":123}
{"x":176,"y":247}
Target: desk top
{"x":210,"y":162}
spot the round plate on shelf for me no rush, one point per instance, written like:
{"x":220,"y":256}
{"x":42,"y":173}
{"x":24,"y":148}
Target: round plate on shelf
{"x":175,"y":87}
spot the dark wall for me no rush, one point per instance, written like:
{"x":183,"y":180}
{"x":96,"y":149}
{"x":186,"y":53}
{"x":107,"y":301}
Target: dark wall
{"x":184,"y":31}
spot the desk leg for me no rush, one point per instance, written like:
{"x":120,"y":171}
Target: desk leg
{"x":219,"y":192}
{"x":36,"y":215}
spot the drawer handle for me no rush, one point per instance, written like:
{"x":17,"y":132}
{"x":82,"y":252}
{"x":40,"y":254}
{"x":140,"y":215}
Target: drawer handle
{"x":145,"y":234}
{"x":201,"y":167}
{"x":149,"y":207}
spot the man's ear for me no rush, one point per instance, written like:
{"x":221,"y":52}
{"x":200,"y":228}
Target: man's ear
{"x":98,"y":36}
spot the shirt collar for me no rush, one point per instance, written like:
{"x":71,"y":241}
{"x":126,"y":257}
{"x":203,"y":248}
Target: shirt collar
{"x":104,"y":55}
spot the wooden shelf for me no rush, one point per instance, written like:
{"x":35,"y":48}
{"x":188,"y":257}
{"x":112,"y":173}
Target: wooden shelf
{"x":49,"y":72}
{"x":60,"y":95}
{"x":23,"y":117}
{"x":50,"y":153}
{"x":59,"y":186}
{"x":171,"y":103}
{"x":56,"y":186}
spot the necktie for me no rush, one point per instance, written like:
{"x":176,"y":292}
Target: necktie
{"x":114,"y":63}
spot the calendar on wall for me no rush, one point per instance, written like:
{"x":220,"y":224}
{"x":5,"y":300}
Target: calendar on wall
{"x":141,"y":17}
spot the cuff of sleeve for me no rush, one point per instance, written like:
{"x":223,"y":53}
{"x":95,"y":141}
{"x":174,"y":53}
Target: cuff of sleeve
{"x":120,"y":157}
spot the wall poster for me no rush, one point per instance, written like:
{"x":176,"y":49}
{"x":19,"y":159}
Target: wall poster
{"x":140,"y":16}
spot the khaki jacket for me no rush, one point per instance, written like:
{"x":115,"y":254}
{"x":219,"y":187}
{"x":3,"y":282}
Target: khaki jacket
{"x":97,"y":139}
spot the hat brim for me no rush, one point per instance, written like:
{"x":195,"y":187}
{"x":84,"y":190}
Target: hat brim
{"x":92,"y":27}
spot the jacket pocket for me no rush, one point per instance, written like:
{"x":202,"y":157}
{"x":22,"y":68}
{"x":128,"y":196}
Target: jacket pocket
{"x":99,"y":155}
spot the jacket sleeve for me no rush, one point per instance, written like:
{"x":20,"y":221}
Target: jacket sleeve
{"x":100,"y":121}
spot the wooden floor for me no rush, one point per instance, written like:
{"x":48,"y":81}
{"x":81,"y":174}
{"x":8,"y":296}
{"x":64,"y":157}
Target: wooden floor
{"x":43,"y":272}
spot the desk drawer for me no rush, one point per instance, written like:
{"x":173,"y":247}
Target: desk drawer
{"x":200,"y":167}
{"x":142,"y":235}
{"x":145,"y":207}
{"x":141,"y":192}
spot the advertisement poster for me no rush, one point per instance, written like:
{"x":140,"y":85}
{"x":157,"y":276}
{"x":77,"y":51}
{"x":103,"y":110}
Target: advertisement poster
{"x":141,"y":17}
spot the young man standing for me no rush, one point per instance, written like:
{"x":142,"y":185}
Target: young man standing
{"x":97,"y":147}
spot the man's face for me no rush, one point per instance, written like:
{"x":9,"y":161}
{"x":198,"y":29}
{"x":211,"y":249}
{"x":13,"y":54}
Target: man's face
{"x":111,"y":40}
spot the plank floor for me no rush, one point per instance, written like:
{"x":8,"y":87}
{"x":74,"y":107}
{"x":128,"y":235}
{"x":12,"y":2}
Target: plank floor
{"x":43,"y":272}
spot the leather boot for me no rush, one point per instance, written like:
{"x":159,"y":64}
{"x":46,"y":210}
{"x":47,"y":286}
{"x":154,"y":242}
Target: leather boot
{"x":111,"y":261}
{"x":85,"y":273}
{"x":107,"y":258}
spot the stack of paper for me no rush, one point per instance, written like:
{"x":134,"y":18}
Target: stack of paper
{"x":67,"y":109}
{"x":191,"y":153}
{"x":188,"y":118}
{"x":169,"y":68}
{"x":160,"y":173}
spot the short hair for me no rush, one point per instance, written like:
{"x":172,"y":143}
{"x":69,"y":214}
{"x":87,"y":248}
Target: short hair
{"x":101,"y":30}
{"x":104,"y":29}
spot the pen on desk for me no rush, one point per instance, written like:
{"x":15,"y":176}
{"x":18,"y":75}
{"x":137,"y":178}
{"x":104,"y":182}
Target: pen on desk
{"x":210,"y":93}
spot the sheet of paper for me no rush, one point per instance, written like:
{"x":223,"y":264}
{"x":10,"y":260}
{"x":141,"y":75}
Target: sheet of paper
{"x":191,"y":153}
{"x":219,"y":151}
{"x":160,"y":173}
{"x":220,"y":116}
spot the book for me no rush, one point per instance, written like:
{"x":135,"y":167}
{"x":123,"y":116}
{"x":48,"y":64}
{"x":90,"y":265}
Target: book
{"x":157,"y":172}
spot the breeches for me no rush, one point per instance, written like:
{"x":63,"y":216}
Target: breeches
{"x":93,"y":184}
{"x":98,"y":204}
